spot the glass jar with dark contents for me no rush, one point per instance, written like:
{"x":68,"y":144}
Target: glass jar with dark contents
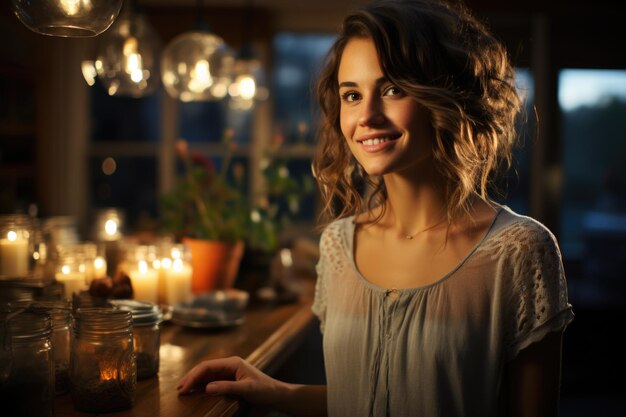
{"x":103,"y":371}
{"x":147,"y":320}
{"x":26,"y":365}
{"x":61,"y":314}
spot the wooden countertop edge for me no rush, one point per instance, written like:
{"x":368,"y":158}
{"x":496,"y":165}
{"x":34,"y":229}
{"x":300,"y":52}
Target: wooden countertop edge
{"x":281,"y":341}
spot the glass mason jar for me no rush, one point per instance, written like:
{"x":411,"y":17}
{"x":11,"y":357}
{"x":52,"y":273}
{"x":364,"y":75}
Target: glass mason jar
{"x":61,"y":314}
{"x":147,"y":320}
{"x":16,"y":246}
{"x":103,"y":370}
{"x":26,"y":365}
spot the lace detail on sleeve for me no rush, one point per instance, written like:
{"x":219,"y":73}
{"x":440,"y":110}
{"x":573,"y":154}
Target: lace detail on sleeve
{"x":331,"y":263}
{"x":535,"y":291}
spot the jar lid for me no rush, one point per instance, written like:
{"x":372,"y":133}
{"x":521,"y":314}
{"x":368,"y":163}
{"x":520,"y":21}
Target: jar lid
{"x":143,"y":313}
{"x":25,"y":324}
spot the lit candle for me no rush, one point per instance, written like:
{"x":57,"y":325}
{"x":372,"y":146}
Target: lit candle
{"x":99,"y":267}
{"x":73,"y":281}
{"x":178,"y":282}
{"x":13,"y":255}
{"x":164,"y":265}
{"x":145,"y":282}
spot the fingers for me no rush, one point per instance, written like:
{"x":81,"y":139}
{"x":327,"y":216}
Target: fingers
{"x":223,"y":388}
{"x":207,"y":371}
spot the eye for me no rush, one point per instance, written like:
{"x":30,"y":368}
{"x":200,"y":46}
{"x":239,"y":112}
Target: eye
{"x":350,"y":96}
{"x":392,"y":90}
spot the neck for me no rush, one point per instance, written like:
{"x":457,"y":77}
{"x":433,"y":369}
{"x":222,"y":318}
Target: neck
{"x":414,"y":206}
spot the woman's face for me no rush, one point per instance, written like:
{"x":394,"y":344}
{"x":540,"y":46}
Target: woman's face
{"x":386,"y":130}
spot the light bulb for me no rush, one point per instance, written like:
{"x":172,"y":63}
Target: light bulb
{"x":67,"y":18}
{"x":197,"y":66}
{"x":128,"y":57}
{"x":248,"y":85}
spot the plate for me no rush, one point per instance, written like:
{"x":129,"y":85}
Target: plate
{"x":214,"y":310}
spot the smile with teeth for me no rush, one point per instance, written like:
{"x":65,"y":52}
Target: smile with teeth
{"x":376,"y":141}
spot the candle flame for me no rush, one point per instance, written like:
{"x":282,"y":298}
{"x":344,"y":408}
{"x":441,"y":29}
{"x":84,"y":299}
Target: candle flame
{"x":108,"y":374}
{"x":166,"y":263}
{"x":98,"y":262}
{"x":110,"y":227}
{"x":177,"y":265}
{"x":12,"y":236}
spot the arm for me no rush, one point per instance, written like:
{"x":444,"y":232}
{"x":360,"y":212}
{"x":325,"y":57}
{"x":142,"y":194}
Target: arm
{"x":235,"y":376}
{"x":532,"y":379}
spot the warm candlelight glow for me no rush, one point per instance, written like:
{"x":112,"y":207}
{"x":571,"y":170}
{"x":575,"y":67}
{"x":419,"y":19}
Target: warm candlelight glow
{"x":178,"y":282}
{"x":145,"y":282}
{"x":110,"y":227}
{"x":99,"y":267}
{"x":166,"y":263}
{"x":14,"y":253}
{"x":108,"y":373}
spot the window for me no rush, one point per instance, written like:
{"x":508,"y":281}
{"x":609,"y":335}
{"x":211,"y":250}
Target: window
{"x":593,"y":218}
{"x":298,"y":58}
{"x":515,"y":185}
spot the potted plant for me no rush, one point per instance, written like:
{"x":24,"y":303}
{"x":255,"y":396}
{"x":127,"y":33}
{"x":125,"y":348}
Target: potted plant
{"x":208,"y":210}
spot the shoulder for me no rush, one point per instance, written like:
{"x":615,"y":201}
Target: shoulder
{"x":337,"y":233}
{"x":517,"y":232}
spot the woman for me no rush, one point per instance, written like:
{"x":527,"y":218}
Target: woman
{"x":433,"y":299}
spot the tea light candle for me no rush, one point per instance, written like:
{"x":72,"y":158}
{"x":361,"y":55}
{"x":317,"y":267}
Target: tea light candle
{"x":13,"y":255}
{"x":178,"y":282}
{"x":145,"y":282}
{"x":73,"y":281}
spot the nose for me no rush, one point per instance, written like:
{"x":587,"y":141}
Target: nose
{"x":372,"y":113}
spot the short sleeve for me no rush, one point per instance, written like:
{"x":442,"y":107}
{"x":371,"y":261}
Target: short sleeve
{"x":319,"y":301}
{"x":332,"y":263}
{"x":537,"y":301}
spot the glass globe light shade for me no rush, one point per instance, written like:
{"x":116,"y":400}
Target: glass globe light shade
{"x":197,"y":66}
{"x":67,"y":18}
{"x":128,"y":57}
{"x":248,"y":84}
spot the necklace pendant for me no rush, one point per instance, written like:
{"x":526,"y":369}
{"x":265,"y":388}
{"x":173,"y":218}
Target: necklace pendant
{"x":408,"y":237}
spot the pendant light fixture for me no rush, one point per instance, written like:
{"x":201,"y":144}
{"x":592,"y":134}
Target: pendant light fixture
{"x":248,"y":76}
{"x":197,"y":65}
{"x":248,"y":83}
{"x":128,"y":56}
{"x":67,"y":18}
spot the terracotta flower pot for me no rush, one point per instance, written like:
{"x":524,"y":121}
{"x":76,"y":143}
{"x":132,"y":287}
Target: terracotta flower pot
{"x":215,"y":264}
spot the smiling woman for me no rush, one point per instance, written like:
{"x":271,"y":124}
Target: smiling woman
{"x":433,"y":299}
{"x":385,"y":129}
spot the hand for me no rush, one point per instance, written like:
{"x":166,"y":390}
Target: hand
{"x":232,"y":376}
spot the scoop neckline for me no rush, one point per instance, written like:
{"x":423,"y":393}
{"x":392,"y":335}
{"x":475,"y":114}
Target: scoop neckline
{"x":367,"y":283}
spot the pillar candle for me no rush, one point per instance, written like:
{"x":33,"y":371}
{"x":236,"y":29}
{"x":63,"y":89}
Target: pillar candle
{"x":99,"y":267}
{"x":13,"y":255}
{"x":164,"y":265}
{"x":145,"y":282}
{"x":73,"y":282}
{"x":178,"y":282}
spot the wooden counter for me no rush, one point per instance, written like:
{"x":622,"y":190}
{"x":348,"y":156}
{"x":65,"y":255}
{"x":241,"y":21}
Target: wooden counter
{"x":266,"y":338}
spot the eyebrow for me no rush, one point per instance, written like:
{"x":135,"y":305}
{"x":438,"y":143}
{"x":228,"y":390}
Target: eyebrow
{"x":379,"y":81}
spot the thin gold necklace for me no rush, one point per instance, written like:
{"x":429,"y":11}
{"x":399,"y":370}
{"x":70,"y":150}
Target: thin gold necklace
{"x":411,"y":236}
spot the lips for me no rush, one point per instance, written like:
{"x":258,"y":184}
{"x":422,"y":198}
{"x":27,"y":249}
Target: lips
{"x":376,"y":143}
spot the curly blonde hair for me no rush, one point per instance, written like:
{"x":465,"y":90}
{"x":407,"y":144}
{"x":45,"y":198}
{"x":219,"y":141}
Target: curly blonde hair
{"x":447,"y":61}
